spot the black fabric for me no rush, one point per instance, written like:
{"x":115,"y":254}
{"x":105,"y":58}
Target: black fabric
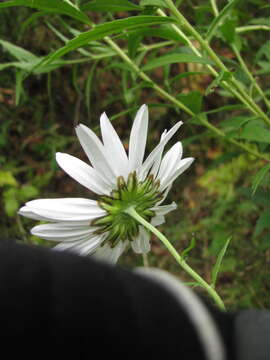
{"x":58,"y":304}
{"x":252,"y":335}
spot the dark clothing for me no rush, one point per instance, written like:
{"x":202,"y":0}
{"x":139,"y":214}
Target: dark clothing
{"x":55,"y":304}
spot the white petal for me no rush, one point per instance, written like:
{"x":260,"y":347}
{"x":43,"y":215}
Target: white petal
{"x":63,"y":231}
{"x":157,"y":150}
{"x":84,"y":247}
{"x":158,"y":220}
{"x":137,"y":141}
{"x":164,"y":209}
{"x":25,"y":211}
{"x":157,"y":161}
{"x":69,"y":209}
{"x":96,"y":153}
{"x":141,"y":244}
{"x":83,"y":173}
{"x":114,"y":148}
{"x":183,"y":165}
{"x":169,"y":162}
{"x":111,"y":255}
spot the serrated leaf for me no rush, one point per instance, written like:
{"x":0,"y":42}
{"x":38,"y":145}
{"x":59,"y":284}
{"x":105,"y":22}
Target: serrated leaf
{"x":258,"y":178}
{"x":111,"y":5}
{"x":54,"y":6}
{"x":217,"y":266}
{"x":175,"y":59}
{"x":103,"y":30}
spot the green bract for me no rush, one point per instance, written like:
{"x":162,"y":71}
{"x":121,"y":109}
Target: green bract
{"x":141,"y":195}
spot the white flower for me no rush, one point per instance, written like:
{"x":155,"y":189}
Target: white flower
{"x":102,"y":227}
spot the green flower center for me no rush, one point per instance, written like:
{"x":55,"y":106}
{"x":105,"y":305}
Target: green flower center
{"x":142,"y":195}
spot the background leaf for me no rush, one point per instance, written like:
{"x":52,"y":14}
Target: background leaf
{"x":54,"y":6}
{"x":174,"y":59}
{"x":111,"y":5}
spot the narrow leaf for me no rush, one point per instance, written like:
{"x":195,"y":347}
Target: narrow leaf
{"x":100,"y":31}
{"x":262,"y":223}
{"x":216,"y":22}
{"x":18,"y":52}
{"x":255,"y":132}
{"x":220,"y":257}
{"x":174,"y":59}
{"x":258,"y":178}
{"x":157,"y":3}
{"x":54,"y":6}
{"x":112,"y":6}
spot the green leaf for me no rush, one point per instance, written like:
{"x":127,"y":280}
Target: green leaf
{"x":226,"y":108}
{"x":174,"y":59}
{"x":110,"y":5}
{"x":252,"y":131}
{"x":157,"y":3}
{"x":11,"y":203}
{"x":54,"y":6}
{"x":6,"y":178}
{"x":228,"y":30}
{"x":164,"y":32}
{"x":224,"y":75}
{"x":217,"y":266}
{"x":235,"y":122}
{"x":88,"y":88}
{"x":100,"y":31}
{"x":187,"y":74}
{"x":189,"y":248}
{"x":18,"y":52}
{"x":258,"y":178}
{"x":193,"y":100}
{"x":262,"y":223}
{"x":27,"y":192}
{"x":219,"y":19}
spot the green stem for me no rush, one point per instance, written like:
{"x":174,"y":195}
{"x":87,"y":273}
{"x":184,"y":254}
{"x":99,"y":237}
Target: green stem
{"x":250,"y":76}
{"x":209,"y":67}
{"x":242,"y":29}
{"x":205,"y":46}
{"x":211,"y":291}
{"x":178,"y":103}
{"x":214,"y":7}
{"x":243,"y":64}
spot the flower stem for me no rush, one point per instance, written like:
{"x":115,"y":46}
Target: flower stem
{"x":211,"y":291}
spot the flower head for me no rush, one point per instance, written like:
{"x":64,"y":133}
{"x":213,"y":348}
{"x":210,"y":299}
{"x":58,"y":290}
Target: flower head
{"x":103,"y":227}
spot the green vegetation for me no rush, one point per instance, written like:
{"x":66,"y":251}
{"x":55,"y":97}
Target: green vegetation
{"x":204,"y":62}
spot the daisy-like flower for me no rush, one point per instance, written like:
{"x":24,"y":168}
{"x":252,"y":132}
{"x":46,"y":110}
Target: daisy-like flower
{"x":102,"y":227}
